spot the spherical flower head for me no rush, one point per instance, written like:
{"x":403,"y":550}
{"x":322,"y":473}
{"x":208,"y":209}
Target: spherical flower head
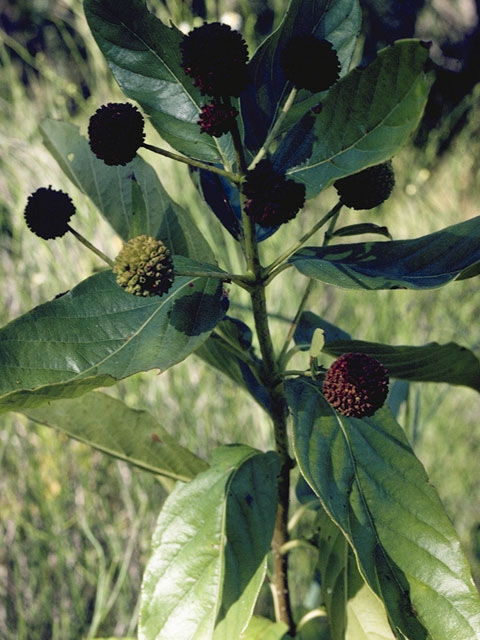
{"x":115,"y":132}
{"x":356,"y":385}
{"x":310,"y":63}
{"x":217,"y":119}
{"x":368,"y":188}
{"x":271,"y":198}
{"x":144,"y":267}
{"x":48,"y":212}
{"x":216,"y":57}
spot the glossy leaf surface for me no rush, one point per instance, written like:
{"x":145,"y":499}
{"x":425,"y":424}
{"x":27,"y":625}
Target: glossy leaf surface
{"x":144,"y":56}
{"x":338,"y":22}
{"x":109,"y":425}
{"x":365,"y":118}
{"x":131,"y":198}
{"x":427,"y":262}
{"x":264,"y":629}
{"x":209,"y":549}
{"x":97,"y":334}
{"x":371,"y":484}
{"x":354,"y":611}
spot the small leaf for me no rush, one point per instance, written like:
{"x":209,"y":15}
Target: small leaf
{"x":97,"y":334}
{"x":338,"y":22}
{"x":264,"y":629}
{"x":427,"y":262}
{"x":109,"y":425}
{"x":359,"y":229}
{"x":365,"y":118}
{"x":144,"y":56}
{"x":110,"y":189}
{"x":373,"y":487}
{"x":318,"y":342}
{"x":209,"y":549}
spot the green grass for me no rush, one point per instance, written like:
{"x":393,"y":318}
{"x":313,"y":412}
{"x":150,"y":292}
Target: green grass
{"x":76,"y":524}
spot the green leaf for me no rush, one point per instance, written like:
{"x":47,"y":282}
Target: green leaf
{"x":97,"y":334}
{"x":365,"y":118}
{"x":433,"y":362}
{"x":371,"y":484}
{"x":354,"y":611}
{"x":427,"y":262}
{"x":338,"y":22}
{"x":209,"y":549}
{"x":229,"y":350}
{"x":109,"y":425}
{"x":263,"y":629}
{"x":119,"y":192}
{"x":144,"y":56}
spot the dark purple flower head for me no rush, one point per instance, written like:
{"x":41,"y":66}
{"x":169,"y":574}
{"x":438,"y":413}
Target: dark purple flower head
{"x":48,"y":212}
{"x":216,"y":57}
{"x":115,"y":132}
{"x":310,"y":63}
{"x":368,"y":188}
{"x":356,"y":385}
{"x":217,"y":119}
{"x":271,"y":198}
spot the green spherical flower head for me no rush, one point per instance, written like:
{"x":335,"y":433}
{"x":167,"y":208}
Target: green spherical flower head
{"x":368,"y":188}
{"x":356,"y":385}
{"x":216,"y":57}
{"x":271,"y":198}
{"x":217,"y":119}
{"x":115,"y":132}
{"x":48,"y":212}
{"x":310,"y":63}
{"x":144,"y":267}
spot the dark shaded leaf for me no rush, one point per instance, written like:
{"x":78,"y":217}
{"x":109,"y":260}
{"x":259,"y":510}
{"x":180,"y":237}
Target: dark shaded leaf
{"x":359,"y":229}
{"x":371,"y":484}
{"x":109,"y":425}
{"x":365,"y":118}
{"x":306,"y":326}
{"x":209,"y":549}
{"x":97,"y":334}
{"x":427,"y":262}
{"x":144,"y":56}
{"x":338,"y":22}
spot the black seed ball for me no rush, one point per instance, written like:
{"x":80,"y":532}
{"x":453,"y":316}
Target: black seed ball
{"x":368,"y":188}
{"x":356,"y":385}
{"x":48,"y":212}
{"x":310,"y":63}
{"x":216,"y":57}
{"x":116,"y":132}
{"x":144,"y":267}
{"x":271,"y":198}
{"x":217,"y":119}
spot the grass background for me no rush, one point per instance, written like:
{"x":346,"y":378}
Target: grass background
{"x":75,"y":524}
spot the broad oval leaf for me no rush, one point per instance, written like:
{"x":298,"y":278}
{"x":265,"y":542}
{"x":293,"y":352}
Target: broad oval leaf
{"x":371,"y":484}
{"x":354,"y":611}
{"x":144,"y":56}
{"x":119,"y":193}
{"x":427,"y":262}
{"x":365,"y":118}
{"x":97,"y":334}
{"x":109,"y":425}
{"x":209,"y":549}
{"x":338,"y":22}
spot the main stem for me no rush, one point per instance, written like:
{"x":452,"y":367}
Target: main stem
{"x":274,"y":385}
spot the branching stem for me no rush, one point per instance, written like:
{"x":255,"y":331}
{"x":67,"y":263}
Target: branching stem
{"x":193,"y":163}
